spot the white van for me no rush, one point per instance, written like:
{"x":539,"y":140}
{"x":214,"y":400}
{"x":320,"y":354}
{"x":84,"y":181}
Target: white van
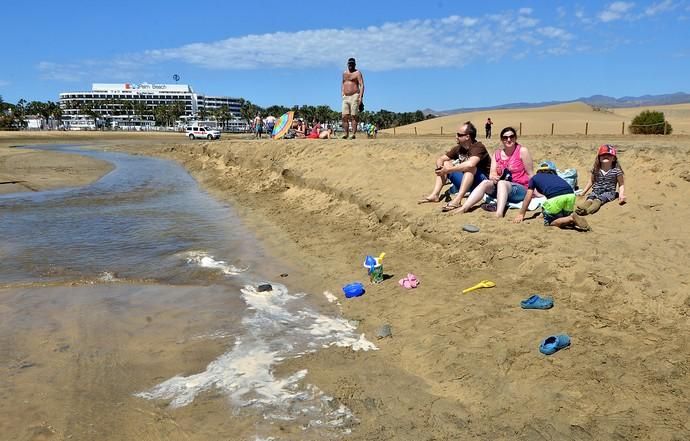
{"x":202,"y":132}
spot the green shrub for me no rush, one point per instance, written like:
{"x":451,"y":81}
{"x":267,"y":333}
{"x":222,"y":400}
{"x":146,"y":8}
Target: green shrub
{"x":650,"y":122}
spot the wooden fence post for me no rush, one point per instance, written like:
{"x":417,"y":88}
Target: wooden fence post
{"x":441,"y":130}
{"x":623,"y":128}
{"x":552,"y":124}
{"x":586,"y":128}
{"x":415,"y":130}
{"x":520,"y":129}
{"x":393,"y":131}
{"x":665,"y":127}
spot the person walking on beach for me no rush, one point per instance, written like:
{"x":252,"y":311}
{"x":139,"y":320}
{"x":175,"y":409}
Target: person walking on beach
{"x":466,"y":165}
{"x":605,"y":176}
{"x":258,"y":126}
{"x":487,"y":128}
{"x":352,"y":90}
{"x":270,"y":124}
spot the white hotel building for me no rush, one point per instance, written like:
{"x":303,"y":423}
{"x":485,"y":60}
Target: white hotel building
{"x":118,"y":105}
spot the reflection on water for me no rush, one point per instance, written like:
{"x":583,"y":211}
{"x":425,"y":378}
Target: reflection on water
{"x":132,"y":223}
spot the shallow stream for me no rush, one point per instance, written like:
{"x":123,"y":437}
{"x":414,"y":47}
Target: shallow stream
{"x":148,"y":224}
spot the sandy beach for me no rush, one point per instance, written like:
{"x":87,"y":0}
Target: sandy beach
{"x":457,"y":366}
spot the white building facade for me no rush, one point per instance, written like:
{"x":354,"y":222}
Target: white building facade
{"x":134,"y":107}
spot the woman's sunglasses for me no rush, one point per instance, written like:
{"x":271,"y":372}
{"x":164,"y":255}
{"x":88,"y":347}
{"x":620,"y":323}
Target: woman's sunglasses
{"x":507,"y":137}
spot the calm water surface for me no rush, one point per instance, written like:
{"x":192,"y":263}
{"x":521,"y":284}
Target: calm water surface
{"x":143,"y":220}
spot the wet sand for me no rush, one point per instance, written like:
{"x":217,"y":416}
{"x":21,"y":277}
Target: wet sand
{"x":29,"y":170}
{"x":458,"y":366}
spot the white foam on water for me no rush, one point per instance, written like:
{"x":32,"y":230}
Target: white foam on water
{"x":204,"y":260}
{"x":107,"y":277}
{"x":278,"y":327}
{"x":330,"y":297}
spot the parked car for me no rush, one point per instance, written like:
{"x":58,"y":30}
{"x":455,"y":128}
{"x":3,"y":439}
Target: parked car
{"x":203,"y":132}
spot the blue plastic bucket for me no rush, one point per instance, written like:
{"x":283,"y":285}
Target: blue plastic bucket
{"x":355,"y":289}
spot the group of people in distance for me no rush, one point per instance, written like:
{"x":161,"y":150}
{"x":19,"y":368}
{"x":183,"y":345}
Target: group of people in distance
{"x":314,"y":131}
{"x":352,"y":89}
{"x":508,"y":176}
{"x":299,"y":128}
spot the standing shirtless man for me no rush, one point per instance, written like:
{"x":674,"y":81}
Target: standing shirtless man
{"x":353,"y":92}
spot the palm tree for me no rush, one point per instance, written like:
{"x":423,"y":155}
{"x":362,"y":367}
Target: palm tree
{"x":160,"y":114}
{"x":323,"y":114}
{"x":176,"y":111}
{"x":203,"y":113}
{"x":90,"y":110}
{"x":38,"y":108}
{"x":127,"y":107}
{"x":19,"y":112}
{"x":307,"y":112}
{"x":55,"y":112}
{"x":249,"y":110}
{"x":140,"y":109}
{"x":223,"y":115}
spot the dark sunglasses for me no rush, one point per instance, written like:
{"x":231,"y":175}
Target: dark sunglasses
{"x":508,"y":137}
{"x":460,"y":135}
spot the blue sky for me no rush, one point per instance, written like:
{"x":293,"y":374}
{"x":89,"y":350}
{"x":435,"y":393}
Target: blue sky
{"x":437,"y":54}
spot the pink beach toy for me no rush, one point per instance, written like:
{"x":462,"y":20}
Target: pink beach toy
{"x":409,"y":282}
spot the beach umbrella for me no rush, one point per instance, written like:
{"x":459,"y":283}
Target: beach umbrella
{"x":283,"y":124}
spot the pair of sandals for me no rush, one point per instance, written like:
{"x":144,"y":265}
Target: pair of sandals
{"x":553,"y":343}
{"x":409,"y":282}
{"x":446,"y":208}
{"x":449,"y":207}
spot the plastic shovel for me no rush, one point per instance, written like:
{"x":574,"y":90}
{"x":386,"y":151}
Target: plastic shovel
{"x":482,"y":284}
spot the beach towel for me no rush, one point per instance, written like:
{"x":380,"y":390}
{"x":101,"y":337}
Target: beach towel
{"x":569,"y":175}
{"x":533,"y":204}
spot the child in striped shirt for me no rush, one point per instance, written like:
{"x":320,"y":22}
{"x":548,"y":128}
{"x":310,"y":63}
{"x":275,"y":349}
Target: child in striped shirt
{"x":606,"y":175}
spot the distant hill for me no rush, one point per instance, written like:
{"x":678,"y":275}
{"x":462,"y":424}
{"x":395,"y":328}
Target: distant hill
{"x":594,"y":100}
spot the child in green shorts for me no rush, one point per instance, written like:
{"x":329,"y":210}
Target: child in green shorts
{"x":559,"y":207}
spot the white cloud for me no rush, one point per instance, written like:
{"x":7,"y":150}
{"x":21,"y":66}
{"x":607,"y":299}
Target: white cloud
{"x":61,"y":72}
{"x":4,"y":83}
{"x":124,"y":68}
{"x":552,"y":32}
{"x":660,"y":7}
{"x":615,"y":11}
{"x":561,"y":12}
{"x":452,"y":41}
{"x":581,"y":15}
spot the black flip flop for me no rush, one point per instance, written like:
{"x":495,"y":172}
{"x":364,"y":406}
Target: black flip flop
{"x":449,"y":207}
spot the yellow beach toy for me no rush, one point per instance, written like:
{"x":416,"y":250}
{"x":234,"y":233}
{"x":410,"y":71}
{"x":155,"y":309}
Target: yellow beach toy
{"x":482,"y":284}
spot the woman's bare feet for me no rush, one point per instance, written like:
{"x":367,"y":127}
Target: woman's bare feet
{"x":428,"y":199}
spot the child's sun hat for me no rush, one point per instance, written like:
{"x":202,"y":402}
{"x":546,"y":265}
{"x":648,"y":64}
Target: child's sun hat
{"x":547,"y":165}
{"x":607,"y":149}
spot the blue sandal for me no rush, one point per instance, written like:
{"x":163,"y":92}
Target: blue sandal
{"x":536,"y":302}
{"x":554,"y":343}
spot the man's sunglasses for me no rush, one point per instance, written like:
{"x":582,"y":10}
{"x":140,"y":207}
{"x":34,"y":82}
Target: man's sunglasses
{"x":460,"y":135}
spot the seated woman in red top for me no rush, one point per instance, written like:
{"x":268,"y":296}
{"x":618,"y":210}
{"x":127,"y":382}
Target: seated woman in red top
{"x":511,"y":169}
{"x":315,"y":130}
